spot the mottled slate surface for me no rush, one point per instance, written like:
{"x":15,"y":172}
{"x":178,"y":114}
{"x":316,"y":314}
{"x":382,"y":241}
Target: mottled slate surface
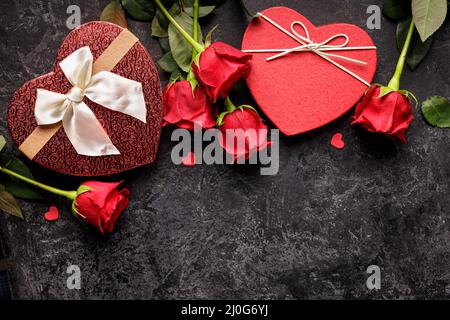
{"x":227,"y":232}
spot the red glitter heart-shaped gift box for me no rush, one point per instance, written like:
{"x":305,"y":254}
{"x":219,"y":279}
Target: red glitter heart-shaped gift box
{"x":113,"y":49}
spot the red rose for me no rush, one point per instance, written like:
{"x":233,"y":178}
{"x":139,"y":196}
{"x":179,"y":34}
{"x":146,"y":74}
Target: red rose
{"x":243,"y":123}
{"x":390,"y":115}
{"x":183,"y":108}
{"x":100,"y":204}
{"x":219,"y":67}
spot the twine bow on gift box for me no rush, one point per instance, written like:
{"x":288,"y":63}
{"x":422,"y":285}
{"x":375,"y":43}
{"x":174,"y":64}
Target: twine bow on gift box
{"x":308,"y":45}
{"x":105,"y":88}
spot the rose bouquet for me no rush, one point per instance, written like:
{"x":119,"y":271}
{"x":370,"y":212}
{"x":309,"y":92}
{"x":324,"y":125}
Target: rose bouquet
{"x":214,"y":70}
{"x":203,"y":73}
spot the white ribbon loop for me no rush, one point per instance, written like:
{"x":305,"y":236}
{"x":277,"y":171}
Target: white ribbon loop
{"x":308,"y":45}
{"x":107,"y":89}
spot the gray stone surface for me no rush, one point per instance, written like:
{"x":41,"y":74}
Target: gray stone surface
{"x":227,"y":232}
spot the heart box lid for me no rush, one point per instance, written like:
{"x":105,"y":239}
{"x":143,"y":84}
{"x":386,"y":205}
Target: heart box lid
{"x":136,"y":140}
{"x":305,"y":90}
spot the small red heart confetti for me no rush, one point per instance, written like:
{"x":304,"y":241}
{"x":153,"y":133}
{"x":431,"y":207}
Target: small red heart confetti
{"x":52,"y":214}
{"x":189,"y":160}
{"x":337,"y":141}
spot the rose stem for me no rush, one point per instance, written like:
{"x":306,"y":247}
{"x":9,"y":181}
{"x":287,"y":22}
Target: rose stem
{"x":394,"y":84}
{"x":191,"y":76}
{"x":68,"y":194}
{"x":196,"y":9}
{"x":198,"y":47}
{"x":229,"y":105}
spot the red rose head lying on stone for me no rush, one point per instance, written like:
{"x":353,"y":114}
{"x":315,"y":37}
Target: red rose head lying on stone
{"x":100,"y":204}
{"x":390,"y":114}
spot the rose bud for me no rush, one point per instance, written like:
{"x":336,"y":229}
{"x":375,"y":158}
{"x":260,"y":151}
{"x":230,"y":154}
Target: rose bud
{"x":219,"y":67}
{"x":244,"y":123}
{"x":389,"y":114}
{"x":100,"y":204}
{"x":184,"y":107}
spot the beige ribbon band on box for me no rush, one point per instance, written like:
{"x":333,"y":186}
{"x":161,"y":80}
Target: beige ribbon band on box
{"x":104,"y":63}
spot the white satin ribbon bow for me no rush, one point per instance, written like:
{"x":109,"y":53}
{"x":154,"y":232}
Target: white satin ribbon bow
{"x":105,"y":88}
{"x":306,"y":44}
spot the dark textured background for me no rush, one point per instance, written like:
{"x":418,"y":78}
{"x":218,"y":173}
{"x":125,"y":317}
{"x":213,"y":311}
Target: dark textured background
{"x":227,"y":232}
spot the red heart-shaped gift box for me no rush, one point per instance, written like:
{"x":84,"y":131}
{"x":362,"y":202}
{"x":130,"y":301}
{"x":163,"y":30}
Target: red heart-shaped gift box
{"x":137,"y":141}
{"x":301,"y":91}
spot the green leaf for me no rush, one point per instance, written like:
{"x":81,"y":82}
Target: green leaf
{"x":436,"y":111}
{"x":158,"y":30}
{"x":202,"y":11}
{"x":429,"y":15}
{"x":160,"y":23}
{"x":9,"y":204}
{"x":181,"y":49}
{"x":163,"y":21}
{"x":246,"y":9}
{"x":17,"y":188}
{"x":174,"y":11}
{"x":397,"y":9}
{"x":167,"y":63}
{"x":208,"y":38}
{"x":176,"y":74}
{"x":2,"y":142}
{"x":418,"y":49}
{"x":143,"y":10}
{"x":114,"y":13}
{"x":164,"y":44}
